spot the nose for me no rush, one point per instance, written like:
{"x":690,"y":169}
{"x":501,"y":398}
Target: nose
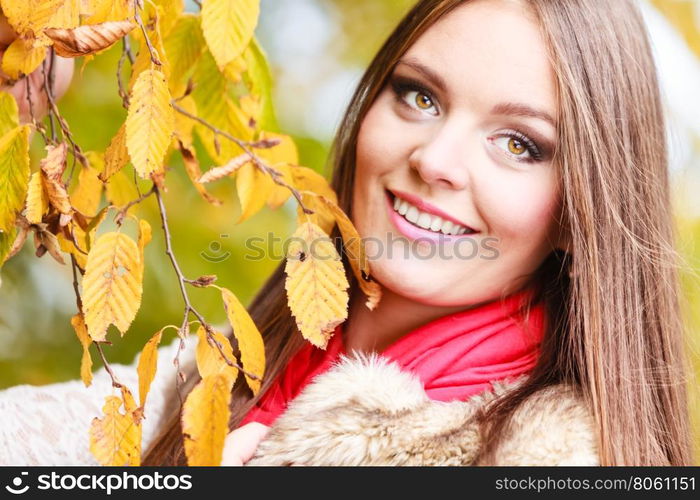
{"x":441,"y":158}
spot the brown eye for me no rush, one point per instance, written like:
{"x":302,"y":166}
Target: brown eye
{"x":420,"y":101}
{"x":423,"y":101}
{"x":516,"y":147}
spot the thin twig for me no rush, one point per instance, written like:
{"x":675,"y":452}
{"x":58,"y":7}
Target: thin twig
{"x":122,"y":211}
{"x":115,"y":382}
{"x":199,"y":3}
{"x":76,"y":289}
{"x":275,"y":174}
{"x":77,"y":153}
{"x":151,"y":49}
{"x":37,"y":125}
{"x":122,"y":91}
{"x":182,"y":281}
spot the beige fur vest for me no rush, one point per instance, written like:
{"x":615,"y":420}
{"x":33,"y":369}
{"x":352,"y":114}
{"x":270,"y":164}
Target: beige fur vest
{"x":366,"y":411}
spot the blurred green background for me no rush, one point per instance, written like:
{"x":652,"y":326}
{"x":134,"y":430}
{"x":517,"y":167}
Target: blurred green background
{"x":318,"y":50}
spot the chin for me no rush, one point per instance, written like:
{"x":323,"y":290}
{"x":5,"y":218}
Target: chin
{"x":413,"y":284}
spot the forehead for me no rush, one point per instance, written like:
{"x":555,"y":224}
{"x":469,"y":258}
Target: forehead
{"x":488,"y":51}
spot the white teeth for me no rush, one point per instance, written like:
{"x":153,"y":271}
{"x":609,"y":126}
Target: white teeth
{"x":412,"y":214}
{"x":426,"y":220}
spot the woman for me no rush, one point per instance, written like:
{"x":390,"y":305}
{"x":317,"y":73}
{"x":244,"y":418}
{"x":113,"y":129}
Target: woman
{"x":536,"y":129}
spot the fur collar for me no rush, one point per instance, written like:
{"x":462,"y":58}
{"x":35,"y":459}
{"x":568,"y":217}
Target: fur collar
{"x":366,"y":411}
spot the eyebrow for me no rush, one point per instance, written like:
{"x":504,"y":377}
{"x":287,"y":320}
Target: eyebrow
{"x":504,"y":108}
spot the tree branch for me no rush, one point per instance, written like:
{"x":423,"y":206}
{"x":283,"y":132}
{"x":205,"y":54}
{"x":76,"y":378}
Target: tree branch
{"x":275,"y":174}
{"x":188,"y":305}
{"x":152,"y":51}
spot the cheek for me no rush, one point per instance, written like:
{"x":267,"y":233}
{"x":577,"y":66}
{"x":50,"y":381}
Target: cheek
{"x":380,"y":146}
{"x":525,"y":210}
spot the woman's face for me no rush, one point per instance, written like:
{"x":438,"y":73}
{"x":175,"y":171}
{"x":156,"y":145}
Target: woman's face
{"x":464,"y":131}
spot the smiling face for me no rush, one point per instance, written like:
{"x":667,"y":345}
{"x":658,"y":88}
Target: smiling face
{"x":464,"y":131}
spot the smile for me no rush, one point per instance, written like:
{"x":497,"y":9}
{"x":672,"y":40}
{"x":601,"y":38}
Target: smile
{"x":425,"y":219}
{"x":415,"y":222}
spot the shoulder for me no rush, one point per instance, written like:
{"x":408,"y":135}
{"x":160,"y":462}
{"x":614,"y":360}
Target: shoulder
{"x":554,"y":426}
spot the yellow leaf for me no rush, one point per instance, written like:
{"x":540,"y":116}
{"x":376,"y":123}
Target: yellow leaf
{"x":316,"y":284}
{"x":29,"y":17}
{"x":259,"y":81}
{"x":129,"y":403}
{"x":205,"y":417}
{"x":250,"y":341}
{"x":67,"y":15}
{"x":120,"y":190}
{"x":184,"y":124}
{"x":86,"y":196}
{"x":116,"y":155}
{"x":9,"y":117}
{"x":251,"y":108}
{"x":89,"y":39}
{"x":233,"y":71}
{"x":169,"y":11}
{"x":6,"y":243}
{"x":216,"y":105}
{"x":228,"y":26}
{"x":14,"y":174}
{"x":148,"y":362}
{"x":208,"y":357}
{"x":306,"y":179}
{"x":111,"y":285}
{"x":357,"y":255}
{"x":100,"y":11}
{"x":254,"y":188}
{"x":144,"y":239}
{"x":115,"y":439}
{"x":183,"y":45}
{"x":189,"y":158}
{"x":279,"y":157}
{"x":37,"y":199}
{"x":78,"y":323}
{"x":82,"y":239}
{"x":21,"y":58}
{"x":149,"y":122}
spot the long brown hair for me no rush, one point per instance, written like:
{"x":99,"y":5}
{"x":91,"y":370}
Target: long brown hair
{"x":614,"y":319}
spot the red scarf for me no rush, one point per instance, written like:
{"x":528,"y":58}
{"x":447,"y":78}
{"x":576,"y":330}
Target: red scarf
{"x":455,"y":356}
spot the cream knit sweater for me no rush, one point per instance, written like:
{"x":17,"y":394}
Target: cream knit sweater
{"x":49,"y":424}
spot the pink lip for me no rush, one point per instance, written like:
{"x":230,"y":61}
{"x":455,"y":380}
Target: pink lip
{"x":414,"y":232}
{"x":431,"y":209}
